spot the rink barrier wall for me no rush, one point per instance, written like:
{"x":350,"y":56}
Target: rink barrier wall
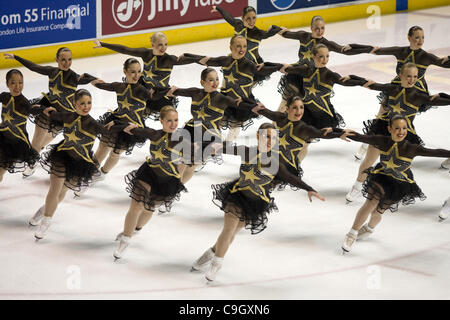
{"x":214,"y":30}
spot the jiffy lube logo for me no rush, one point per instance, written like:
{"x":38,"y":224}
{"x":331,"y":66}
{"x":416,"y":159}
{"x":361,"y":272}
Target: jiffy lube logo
{"x":282,"y":4}
{"x":126,"y":13}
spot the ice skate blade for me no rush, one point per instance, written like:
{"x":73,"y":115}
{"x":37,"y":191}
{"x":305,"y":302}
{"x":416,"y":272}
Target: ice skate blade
{"x":442,"y":219}
{"x":116,"y":259}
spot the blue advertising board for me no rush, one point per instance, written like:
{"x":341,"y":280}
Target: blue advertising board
{"x":29,"y":23}
{"x":268,"y":6}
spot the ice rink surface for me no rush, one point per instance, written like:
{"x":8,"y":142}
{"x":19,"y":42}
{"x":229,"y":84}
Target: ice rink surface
{"x":298,"y":256}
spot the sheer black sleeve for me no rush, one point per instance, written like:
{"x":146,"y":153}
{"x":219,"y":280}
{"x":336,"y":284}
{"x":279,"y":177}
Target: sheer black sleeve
{"x":285,"y":175}
{"x":269,"y":68}
{"x":425,"y":152}
{"x":295,"y":35}
{"x":381,"y":86}
{"x":273,"y":115}
{"x":432,"y":59}
{"x":302,"y":70}
{"x":389,"y":51}
{"x":273,"y":30}
{"x":148,"y":133}
{"x":137,"y":52}
{"x":217,"y":62}
{"x":189,"y":92}
{"x":114,"y":86}
{"x":312,"y":132}
{"x":236,"y":23}
{"x":44,"y":70}
{"x":378,"y":141}
{"x":86,"y":78}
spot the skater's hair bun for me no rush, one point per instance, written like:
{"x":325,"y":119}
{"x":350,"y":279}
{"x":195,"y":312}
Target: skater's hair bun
{"x":81,"y":93}
{"x":157,"y":36}
{"x":12,"y":72}
{"x":316,"y":48}
{"x":165,"y":110}
{"x":395,"y":118}
{"x":413,"y":29}
{"x":407,"y":65}
{"x":316,"y":18}
{"x":290,"y":101}
{"x":61,"y":50}
{"x":266,"y":125}
{"x":205,"y":73}
{"x":235,"y":37}
{"x":247,"y":9}
{"x":129,"y":62}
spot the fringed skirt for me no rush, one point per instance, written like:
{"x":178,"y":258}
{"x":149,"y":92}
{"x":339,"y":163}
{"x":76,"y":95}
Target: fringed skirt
{"x":251,"y":210}
{"x":78,"y":173}
{"x":119,"y":140}
{"x":41,"y":120}
{"x":389,"y":191}
{"x":322,"y":120}
{"x":291,"y":85}
{"x":153,"y":107}
{"x":163,"y":188}
{"x":15,"y":154}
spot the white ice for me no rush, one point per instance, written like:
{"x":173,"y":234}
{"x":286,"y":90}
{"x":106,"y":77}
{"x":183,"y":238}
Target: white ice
{"x":298,"y":256}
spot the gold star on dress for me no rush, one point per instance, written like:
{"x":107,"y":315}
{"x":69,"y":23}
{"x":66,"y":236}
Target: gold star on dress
{"x":317,"y":93}
{"x":420,"y":84}
{"x":304,"y":53}
{"x":14,"y":121}
{"x":252,"y":45}
{"x":130,"y":107}
{"x":236,"y":82}
{"x":394,"y":165}
{"x":155,"y":76}
{"x":290,"y":145}
{"x":399,"y":105}
{"x":61,"y":94}
{"x":164,"y":157}
{"x":206,"y":115}
{"x":254,"y":178}
{"x":77,"y":139}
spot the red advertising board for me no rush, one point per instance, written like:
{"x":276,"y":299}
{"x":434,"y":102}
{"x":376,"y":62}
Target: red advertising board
{"x":120,"y":16}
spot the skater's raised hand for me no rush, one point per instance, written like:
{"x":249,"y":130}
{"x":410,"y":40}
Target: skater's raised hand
{"x":109,"y":125}
{"x":94,"y":82}
{"x":316,"y":195}
{"x":130,"y":127}
{"x":444,"y":59}
{"x":97,"y":44}
{"x":346,"y":48}
{"x":326,"y":131}
{"x":48,"y":110}
{"x":214,"y":9}
{"x":8,"y":56}
{"x":171,"y":91}
{"x":204,"y":60}
{"x":283,"y":30}
{"x":346,"y":133}
{"x":284,"y":67}
{"x":259,"y":106}
{"x":374,"y":50}
{"x":368,"y":83}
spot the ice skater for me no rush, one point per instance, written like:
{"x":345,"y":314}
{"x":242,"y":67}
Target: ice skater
{"x":391,"y":181}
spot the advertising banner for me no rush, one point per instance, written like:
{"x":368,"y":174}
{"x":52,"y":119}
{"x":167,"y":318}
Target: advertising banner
{"x":268,"y":6}
{"x":120,"y":16}
{"x":28,"y":23}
